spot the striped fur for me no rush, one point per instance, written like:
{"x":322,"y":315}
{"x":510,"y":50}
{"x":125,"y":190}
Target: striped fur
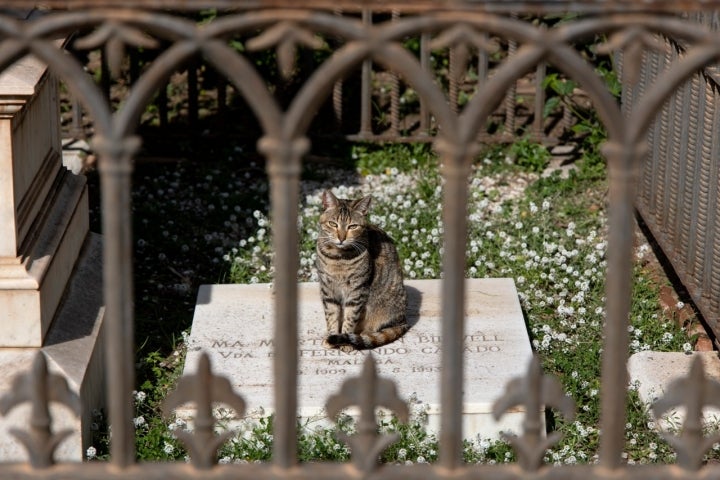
{"x":361,"y":280}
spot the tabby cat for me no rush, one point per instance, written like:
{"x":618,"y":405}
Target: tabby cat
{"x":361,"y":280}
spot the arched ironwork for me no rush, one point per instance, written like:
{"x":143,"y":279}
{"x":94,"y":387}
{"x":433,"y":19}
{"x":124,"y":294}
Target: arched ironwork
{"x":285,"y":142}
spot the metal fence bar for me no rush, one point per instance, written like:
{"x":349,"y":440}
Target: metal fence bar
{"x":115,"y":171}
{"x":660,"y":130}
{"x":366,"y":87}
{"x":455,"y":172}
{"x":689,"y":172}
{"x":621,"y":163}
{"x":425,"y":65}
{"x":539,"y":118}
{"x":667,"y":127}
{"x":77,"y":131}
{"x":673,"y":151}
{"x":681,"y":168}
{"x":337,"y":95}
{"x":510,"y":97}
{"x":713,"y":178}
{"x":695,"y":205}
{"x":394,"y":92}
{"x":284,"y":174}
{"x":193,"y":91}
{"x":453,"y":79}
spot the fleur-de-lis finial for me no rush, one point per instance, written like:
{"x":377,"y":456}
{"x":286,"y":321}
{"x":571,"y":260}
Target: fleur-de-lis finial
{"x":285,"y":36}
{"x":533,"y":391}
{"x":693,"y":392}
{"x":203,"y":388}
{"x":39,"y":387}
{"x":633,"y":41}
{"x":461,"y":37}
{"x":367,"y":391}
{"x":115,"y":35}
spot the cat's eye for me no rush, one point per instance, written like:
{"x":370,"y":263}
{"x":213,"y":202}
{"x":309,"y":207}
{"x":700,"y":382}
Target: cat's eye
{"x":332,"y":224}
{"x":353,"y":226}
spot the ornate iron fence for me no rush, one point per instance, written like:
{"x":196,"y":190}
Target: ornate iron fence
{"x":378,"y":105}
{"x":680,"y":186}
{"x":630,"y":28}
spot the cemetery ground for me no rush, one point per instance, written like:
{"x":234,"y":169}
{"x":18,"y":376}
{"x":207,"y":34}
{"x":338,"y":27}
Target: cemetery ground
{"x":201,"y":216}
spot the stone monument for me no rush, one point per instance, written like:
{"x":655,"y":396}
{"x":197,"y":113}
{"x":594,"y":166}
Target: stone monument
{"x":50,"y":267}
{"x":234,"y":324}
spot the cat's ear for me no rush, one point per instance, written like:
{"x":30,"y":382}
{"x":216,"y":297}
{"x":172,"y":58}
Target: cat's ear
{"x":362,"y":205}
{"x":329,"y":200}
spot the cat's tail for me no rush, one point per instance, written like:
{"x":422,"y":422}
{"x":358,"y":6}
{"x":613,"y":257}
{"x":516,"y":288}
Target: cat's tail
{"x":367,"y":340}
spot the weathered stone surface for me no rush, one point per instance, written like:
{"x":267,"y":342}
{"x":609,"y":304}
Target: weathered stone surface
{"x":653,"y":372}
{"x":43,"y":208}
{"x":234,"y":324}
{"x":74,"y":350}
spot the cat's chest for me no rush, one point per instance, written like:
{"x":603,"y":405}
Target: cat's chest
{"x":344,"y":276}
{"x":344,"y":272}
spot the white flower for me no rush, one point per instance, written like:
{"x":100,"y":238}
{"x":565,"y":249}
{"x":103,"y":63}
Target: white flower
{"x":687,"y":348}
{"x":91,"y":453}
{"x":168,"y":448}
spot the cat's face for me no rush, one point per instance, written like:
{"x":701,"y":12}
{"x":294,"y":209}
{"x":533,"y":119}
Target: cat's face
{"x":343,"y":222}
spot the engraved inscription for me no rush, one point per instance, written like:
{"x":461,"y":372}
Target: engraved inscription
{"x":416,"y":353}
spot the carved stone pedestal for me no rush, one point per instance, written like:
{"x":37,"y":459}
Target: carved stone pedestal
{"x":50,"y":268}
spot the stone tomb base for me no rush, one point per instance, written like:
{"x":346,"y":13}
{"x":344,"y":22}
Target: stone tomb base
{"x":234,"y":324}
{"x":73,"y":349}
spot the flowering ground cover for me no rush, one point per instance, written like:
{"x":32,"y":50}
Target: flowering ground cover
{"x":207,"y":222}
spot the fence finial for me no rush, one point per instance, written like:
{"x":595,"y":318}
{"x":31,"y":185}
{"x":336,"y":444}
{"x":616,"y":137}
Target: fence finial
{"x":693,"y":392}
{"x":534,"y":391}
{"x":204,"y":388}
{"x":39,"y":387}
{"x":367,"y":391}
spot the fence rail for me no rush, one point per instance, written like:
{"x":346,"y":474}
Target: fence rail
{"x":387,"y":108}
{"x":111,"y":26}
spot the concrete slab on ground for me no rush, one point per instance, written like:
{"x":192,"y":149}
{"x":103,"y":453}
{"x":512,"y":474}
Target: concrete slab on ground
{"x":654,"y":371}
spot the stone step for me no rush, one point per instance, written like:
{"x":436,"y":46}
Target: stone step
{"x":234,"y":325}
{"x":654,"y":371}
{"x":74,"y":350}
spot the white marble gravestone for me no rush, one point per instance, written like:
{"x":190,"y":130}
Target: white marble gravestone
{"x":234,"y":324}
{"x":50,"y":268}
